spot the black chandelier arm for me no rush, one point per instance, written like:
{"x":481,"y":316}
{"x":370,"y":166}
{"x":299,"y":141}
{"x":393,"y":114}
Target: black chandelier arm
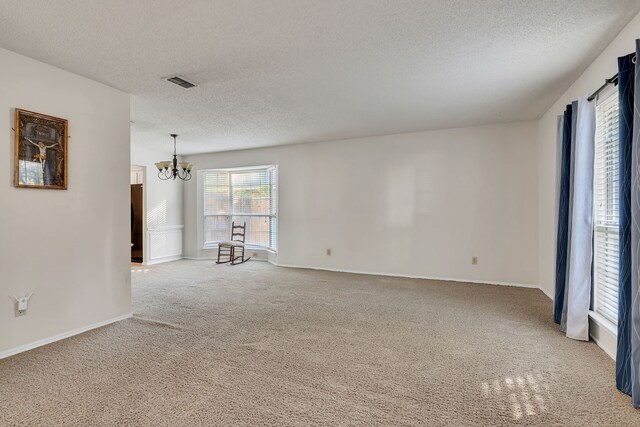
{"x":165,"y":174}
{"x":171,"y":173}
{"x":183,"y":174}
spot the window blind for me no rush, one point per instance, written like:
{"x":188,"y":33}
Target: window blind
{"x":606,"y":209}
{"x":241,"y":196}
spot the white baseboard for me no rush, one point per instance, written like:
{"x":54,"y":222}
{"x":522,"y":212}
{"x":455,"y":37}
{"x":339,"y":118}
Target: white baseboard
{"x":206,"y":258}
{"x":546,"y":293}
{"x":598,"y":332}
{"x":444,"y":279}
{"x":165,"y":259}
{"x":45,"y":341}
{"x":604,"y":333}
{"x":610,"y":350}
{"x":600,"y":335}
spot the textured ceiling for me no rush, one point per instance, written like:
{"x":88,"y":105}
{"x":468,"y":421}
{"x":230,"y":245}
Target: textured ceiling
{"x":286,"y":71}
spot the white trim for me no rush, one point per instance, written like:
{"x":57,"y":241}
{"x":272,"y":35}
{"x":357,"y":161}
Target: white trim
{"x":256,"y":252}
{"x":58,"y":337}
{"x":213,"y":258}
{"x":240,"y":168}
{"x":604,"y":333}
{"x":254,"y":248}
{"x":165,"y":227}
{"x":165,"y":259}
{"x":604,"y":322}
{"x":444,"y":279}
{"x":600,"y":325}
{"x":611,"y":353}
{"x":202,"y":216}
{"x":546,"y":293}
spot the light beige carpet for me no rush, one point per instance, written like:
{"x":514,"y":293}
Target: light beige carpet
{"x":261,"y":345}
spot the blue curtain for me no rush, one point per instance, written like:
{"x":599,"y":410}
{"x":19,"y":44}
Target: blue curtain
{"x":563,"y":217}
{"x":572,"y":173}
{"x":628,"y":353}
{"x":635,"y":242}
{"x":625,"y":94}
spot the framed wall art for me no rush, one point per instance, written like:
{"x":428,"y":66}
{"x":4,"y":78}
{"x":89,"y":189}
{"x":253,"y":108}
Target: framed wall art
{"x":40,"y":151}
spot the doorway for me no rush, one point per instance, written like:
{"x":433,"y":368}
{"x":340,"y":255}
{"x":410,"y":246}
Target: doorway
{"x":137,"y":214}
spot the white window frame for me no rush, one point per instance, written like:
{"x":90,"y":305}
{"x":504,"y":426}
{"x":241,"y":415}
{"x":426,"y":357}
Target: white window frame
{"x":606,"y":232}
{"x":272,"y":217}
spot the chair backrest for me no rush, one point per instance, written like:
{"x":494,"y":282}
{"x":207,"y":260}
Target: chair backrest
{"x":238,"y":231}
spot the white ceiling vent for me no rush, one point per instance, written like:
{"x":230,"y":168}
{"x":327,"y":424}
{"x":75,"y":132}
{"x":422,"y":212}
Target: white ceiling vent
{"x":180,"y":81}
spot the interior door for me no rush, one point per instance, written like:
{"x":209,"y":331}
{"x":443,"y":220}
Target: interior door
{"x":136,"y":222}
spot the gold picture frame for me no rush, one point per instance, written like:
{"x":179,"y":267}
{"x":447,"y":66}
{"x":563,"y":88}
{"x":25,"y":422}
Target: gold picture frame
{"x":40,"y":152}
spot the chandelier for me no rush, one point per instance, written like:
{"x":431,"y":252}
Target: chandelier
{"x":171,"y":169}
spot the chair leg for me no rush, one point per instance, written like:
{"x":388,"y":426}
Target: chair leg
{"x":222,"y":252}
{"x":234,"y":259}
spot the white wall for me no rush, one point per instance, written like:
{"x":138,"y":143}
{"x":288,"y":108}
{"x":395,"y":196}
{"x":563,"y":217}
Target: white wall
{"x":603,"y":67}
{"x":163,"y":204}
{"x":419,"y":204}
{"x":70,"y":248}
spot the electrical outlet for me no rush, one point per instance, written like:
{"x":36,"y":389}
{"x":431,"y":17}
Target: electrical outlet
{"x":328,"y":251}
{"x":254,"y":254}
{"x":474,"y":260}
{"x":21,"y":304}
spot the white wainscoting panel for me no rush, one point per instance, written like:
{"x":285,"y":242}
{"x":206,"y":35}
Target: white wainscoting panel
{"x":165,"y":243}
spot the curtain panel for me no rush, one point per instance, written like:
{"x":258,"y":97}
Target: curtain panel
{"x":574,"y":253}
{"x":628,"y":351}
{"x":579,"y":281}
{"x":563,"y":216}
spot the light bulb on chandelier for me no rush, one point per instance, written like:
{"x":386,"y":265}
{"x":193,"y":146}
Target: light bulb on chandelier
{"x":171,"y":169}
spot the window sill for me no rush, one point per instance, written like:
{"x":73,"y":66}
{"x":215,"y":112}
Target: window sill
{"x":214,"y":247}
{"x":603,"y":322}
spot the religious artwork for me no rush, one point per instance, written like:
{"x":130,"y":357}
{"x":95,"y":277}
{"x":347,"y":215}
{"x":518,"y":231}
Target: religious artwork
{"x":40,"y":151}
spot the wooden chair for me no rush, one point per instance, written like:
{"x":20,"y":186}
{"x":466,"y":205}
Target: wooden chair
{"x":227,"y":249}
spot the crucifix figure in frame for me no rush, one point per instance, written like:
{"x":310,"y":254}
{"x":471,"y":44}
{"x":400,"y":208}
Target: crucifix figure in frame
{"x":42,"y":154}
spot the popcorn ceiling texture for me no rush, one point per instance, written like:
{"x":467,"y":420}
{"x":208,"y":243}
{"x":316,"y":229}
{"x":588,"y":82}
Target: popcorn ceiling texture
{"x":289,"y":71}
{"x":261,"y":345}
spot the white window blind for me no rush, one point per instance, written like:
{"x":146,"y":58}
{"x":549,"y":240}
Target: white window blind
{"x":606,"y":209}
{"x":242,"y":195}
